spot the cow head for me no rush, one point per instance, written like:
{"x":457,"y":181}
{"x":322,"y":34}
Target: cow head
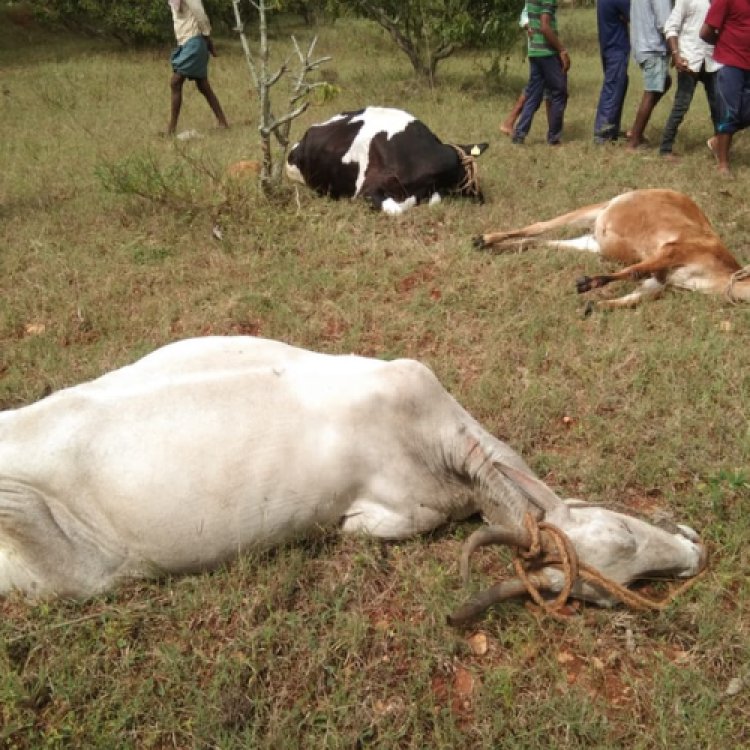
{"x":292,"y":164}
{"x":468,"y":184}
{"x":619,"y":546}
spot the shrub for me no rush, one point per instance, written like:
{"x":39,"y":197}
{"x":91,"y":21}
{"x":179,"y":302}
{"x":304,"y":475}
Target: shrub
{"x":129,"y":21}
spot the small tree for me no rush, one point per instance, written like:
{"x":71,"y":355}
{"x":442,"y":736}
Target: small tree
{"x":141,"y":22}
{"x":429,"y":31}
{"x":263,"y":80}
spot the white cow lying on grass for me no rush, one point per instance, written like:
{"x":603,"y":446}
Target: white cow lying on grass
{"x":211,"y":446}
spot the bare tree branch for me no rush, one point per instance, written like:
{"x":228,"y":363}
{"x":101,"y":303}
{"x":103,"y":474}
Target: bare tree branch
{"x":240,"y":29}
{"x":269,"y":125}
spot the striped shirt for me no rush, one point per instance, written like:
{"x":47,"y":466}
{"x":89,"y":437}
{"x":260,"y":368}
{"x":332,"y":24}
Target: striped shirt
{"x":538,"y":46}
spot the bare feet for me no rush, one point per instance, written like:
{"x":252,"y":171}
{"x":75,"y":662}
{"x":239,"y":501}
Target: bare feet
{"x":722,"y":167}
{"x":634,"y":145}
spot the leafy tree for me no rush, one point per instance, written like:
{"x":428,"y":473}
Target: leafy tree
{"x":428,"y":31}
{"x":129,"y":21}
{"x":311,"y":11}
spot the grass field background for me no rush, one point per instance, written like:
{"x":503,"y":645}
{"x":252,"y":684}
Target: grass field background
{"x":107,"y":251}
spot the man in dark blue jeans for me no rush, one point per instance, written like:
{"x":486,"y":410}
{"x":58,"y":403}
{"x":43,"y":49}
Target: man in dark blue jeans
{"x":612,"y":19}
{"x":548,"y":67}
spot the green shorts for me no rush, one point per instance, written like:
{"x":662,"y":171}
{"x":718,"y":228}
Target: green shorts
{"x":191,"y":59}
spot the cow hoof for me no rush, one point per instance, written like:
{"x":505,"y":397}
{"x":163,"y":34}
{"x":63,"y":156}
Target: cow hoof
{"x":588,"y":309}
{"x":583,"y":284}
{"x":479,"y":243}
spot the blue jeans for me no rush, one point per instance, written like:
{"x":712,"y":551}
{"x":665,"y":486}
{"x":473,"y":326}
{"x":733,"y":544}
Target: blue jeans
{"x":544,"y":73}
{"x":733,"y":93}
{"x":686,"y":83}
{"x":612,"y":96}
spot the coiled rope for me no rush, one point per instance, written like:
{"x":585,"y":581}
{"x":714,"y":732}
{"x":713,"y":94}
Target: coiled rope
{"x":743,"y":273}
{"x":551,"y":547}
{"x":470,"y":183}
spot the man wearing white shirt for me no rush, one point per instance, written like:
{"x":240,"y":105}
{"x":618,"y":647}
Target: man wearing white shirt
{"x":192,"y":29}
{"x":694,"y":61}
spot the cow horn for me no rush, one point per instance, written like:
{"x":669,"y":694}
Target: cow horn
{"x":535,"y":489}
{"x":478,"y":604}
{"x":491,"y":535}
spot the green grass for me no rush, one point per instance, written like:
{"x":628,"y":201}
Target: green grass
{"x":333,"y":643}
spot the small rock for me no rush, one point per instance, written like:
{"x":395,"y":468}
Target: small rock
{"x":734,"y":687}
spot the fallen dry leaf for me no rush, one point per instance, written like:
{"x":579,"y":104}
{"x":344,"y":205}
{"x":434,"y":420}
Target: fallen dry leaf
{"x":386,"y":708}
{"x":463,"y":682}
{"x":565,"y":657}
{"x":245,"y":168}
{"x":478,"y":643}
{"x":34,"y":329}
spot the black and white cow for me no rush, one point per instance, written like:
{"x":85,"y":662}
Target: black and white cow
{"x":385,"y":155}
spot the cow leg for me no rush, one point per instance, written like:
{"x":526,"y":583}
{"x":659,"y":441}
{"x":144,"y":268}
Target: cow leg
{"x":650,"y":289}
{"x":580,"y":217}
{"x":654,"y":266}
{"x":39,"y":556}
{"x":375,"y":199}
{"x":393,"y":207}
{"x":586,"y":243}
{"x":382,"y":520}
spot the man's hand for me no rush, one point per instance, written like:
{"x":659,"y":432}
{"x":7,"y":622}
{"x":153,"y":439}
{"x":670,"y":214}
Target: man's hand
{"x":565,"y":59}
{"x":680,"y":63}
{"x":210,"y":45}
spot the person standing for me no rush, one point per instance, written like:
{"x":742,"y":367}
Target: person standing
{"x":508,"y":125}
{"x":647,"y":21}
{"x":549,"y":63}
{"x":612,"y":19}
{"x":192,"y":30}
{"x":727,"y":25}
{"x":694,"y":62}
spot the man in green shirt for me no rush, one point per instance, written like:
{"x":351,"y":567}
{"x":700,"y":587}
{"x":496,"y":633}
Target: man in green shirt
{"x":549,"y":63}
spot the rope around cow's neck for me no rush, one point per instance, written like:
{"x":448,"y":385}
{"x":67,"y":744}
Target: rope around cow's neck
{"x":469,"y":163}
{"x":551,"y":547}
{"x":743,"y":273}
